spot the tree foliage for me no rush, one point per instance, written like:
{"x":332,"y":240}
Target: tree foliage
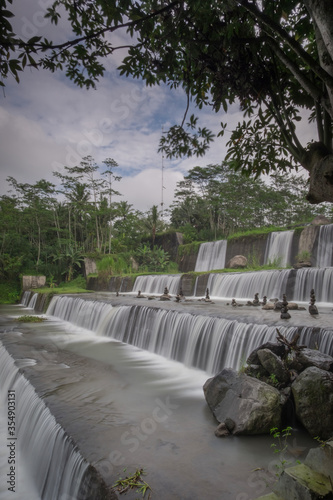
{"x":274,"y":58}
{"x":216,"y":201}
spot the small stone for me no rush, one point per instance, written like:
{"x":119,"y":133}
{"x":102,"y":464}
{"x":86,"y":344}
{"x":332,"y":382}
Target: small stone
{"x":221,"y":430}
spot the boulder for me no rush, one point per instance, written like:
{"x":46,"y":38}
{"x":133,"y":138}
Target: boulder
{"x":274,"y":365}
{"x":311,"y":357}
{"x":313,"y":396}
{"x":244,"y":404}
{"x":269,"y":306}
{"x":292,"y":306}
{"x":237,"y":262}
{"x":278,"y":349}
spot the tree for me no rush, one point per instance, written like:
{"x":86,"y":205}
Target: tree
{"x":226,"y":202}
{"x":37,"y":205}
{"x":273,"y":57}
{"x":110,"y":165}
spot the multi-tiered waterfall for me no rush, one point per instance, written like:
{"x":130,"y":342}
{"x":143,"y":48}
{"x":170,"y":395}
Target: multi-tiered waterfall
{"x":195,"y":337}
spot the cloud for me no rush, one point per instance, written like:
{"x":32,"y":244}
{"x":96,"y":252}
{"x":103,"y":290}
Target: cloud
{"x":47,"y":122}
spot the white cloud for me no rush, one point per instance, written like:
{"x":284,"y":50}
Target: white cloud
{"x":47,"y":122}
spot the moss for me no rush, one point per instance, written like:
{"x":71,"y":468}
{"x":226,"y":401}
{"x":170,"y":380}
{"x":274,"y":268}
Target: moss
{"x":189,"y":249}
{"x":31,"y":319}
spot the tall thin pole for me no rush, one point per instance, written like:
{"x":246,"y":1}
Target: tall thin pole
{"x":162,"y":190}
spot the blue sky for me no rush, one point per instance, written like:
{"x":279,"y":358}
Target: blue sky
{"x":47,"y":122}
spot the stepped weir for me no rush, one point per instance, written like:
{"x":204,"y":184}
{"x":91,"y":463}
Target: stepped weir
{"x":109,"y":383}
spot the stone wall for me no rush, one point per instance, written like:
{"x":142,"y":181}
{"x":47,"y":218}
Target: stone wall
{"x":29,"y":282}
{"x":169,"y":242}
{"x":89,"y":266}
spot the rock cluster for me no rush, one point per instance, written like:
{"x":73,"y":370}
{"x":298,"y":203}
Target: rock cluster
{"x":281,"y":382}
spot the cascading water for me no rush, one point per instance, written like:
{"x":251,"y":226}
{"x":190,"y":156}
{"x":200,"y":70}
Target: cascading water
{"x":245,"y":285}
{"x":211,"y":256}
{"x":278,"y":248}
{"x":318,"y":279}
{"x":155,"y":284}
{"x":296,"y":284}
{"x":204,"y":342}
{"x":29,"y":299}
{"x":324,"y":255}
{"x":38,"y":443}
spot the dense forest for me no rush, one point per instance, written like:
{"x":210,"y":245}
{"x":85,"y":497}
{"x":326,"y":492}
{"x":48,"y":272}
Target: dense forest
{"x":49,"y":228}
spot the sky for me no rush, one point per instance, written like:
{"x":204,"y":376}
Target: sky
{"x":47,"y":122}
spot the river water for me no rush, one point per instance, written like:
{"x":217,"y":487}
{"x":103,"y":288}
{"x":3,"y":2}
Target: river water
{"x":128,"y":408}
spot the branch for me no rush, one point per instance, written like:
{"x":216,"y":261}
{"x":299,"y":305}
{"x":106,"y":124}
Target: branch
{"x":107,"y":29}
{"x":266,"y":21}
{"x":304,"y":82}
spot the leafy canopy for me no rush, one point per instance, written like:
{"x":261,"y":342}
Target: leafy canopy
{"x":274,"y":58}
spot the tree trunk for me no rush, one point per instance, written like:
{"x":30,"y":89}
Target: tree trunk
{"x":321,"y":12}
{"x":318,"y":161}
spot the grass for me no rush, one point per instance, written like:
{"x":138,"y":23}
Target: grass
{"x":78,"y":285}
{"x":256,"y":232}
{"x":133,"y":481}
{"x":31,"y":319}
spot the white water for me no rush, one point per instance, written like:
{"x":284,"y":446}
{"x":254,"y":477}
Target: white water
{"x":278,"y":248}
{"x":324,"y":255}
{"x":211,"y":256}
{"x":47,"y":464}
{"x":155,"y":284}
{"x":203,"y":342}
{"x":321,"y":280}
{"x":29,"y":299}
{"x":246,"y":285}
{"x":296,"y":284}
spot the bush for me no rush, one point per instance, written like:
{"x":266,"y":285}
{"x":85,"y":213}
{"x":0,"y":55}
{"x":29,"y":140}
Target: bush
{"x":9,"y":293}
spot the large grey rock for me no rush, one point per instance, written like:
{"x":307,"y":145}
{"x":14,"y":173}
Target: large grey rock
{"x":244,"y":404}
{"x":274,"y":365}
{"x":313,"y":396}
{"x":237,"y":262}
{"x":278,"y":349}
{"x":311,"y":357}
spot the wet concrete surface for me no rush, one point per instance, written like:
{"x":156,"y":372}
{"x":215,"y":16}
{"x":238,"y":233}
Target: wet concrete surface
{"x":222,"y":308}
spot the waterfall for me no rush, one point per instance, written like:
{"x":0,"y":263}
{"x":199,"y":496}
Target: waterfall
{"x":39,"y":444}
{"x":325,"y":246}
{"x":278,"y":248}
{"x":155,"y":284}
{"x":26,"y":298}
{"x":296,"y":284}
{"x":197,"y":341}
{"x":245,"y":285}
{"x":29,"y":299}
{"x":318,"y":279}
{"x":211,"y":256}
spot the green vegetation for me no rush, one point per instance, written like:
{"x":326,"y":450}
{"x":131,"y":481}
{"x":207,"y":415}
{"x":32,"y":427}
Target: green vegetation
{"x":134,"y":481}
{"x":273,"y":58}
{"x":78,"y":285}
{"x":215,"y":202}
{"x":303,"y":256}
{"x":9,"y":293}
{"x":280,"y":447}
{"x":256,"y":232}
{"x":31,"y":319}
